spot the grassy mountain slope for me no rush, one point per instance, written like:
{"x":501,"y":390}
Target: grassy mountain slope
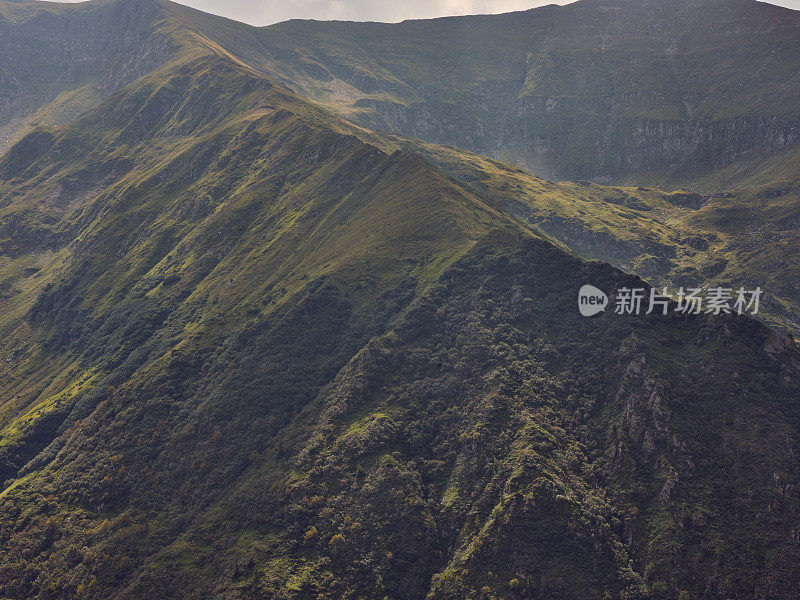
{"x":273,"y":406}
{"x":161,"y":202}
{"x":747,"y":236}
{"x":251,"y":350}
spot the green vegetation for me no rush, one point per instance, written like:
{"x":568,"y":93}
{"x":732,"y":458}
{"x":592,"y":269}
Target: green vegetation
{"x":745,"y":237}
{"x":250,"y":349}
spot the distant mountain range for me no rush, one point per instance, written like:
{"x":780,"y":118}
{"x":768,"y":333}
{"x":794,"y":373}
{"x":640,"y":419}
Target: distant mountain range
{"x":291,"y":312}
{"x":614,"y":90}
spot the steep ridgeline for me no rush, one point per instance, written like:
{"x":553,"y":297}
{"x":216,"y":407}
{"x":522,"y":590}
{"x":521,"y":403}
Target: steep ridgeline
{"x":225,"y":205}
{"x":720,"y":99}
{"x":698,"y":95}
{"x":749,"y":236}
{"x":246,"y":354}
{"x":612,"y":90}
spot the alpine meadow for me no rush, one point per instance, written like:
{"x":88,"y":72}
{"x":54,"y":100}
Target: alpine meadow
{"x":295,"y":312}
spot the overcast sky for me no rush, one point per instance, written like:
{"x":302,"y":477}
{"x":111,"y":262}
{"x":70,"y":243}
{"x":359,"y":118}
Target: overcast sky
{"x":265,"y":12}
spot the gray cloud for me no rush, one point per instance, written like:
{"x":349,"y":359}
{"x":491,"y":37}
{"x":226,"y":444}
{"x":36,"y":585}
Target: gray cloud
{"x":265,"y":12}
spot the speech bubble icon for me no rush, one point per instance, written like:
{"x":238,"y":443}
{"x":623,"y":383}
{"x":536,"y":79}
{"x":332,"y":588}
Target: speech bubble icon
{"x":591,"y":300}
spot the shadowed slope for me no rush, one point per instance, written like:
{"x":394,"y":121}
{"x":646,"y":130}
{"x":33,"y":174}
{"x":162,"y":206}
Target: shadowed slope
{"x":199,"y":208}
{"x":615,"y":90}
{"x":59,"y":60}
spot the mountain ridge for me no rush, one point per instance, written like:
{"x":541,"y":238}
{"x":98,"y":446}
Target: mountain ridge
{"x":661,"y":256}
{"x":250,"y":349}
{"x":406,"y":89}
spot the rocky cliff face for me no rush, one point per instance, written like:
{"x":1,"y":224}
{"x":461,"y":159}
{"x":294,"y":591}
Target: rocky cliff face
{"x":543,"y":131}
{"x":599,"y":89}
{"x":56,"y":62}
{"x":553,"y":138}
